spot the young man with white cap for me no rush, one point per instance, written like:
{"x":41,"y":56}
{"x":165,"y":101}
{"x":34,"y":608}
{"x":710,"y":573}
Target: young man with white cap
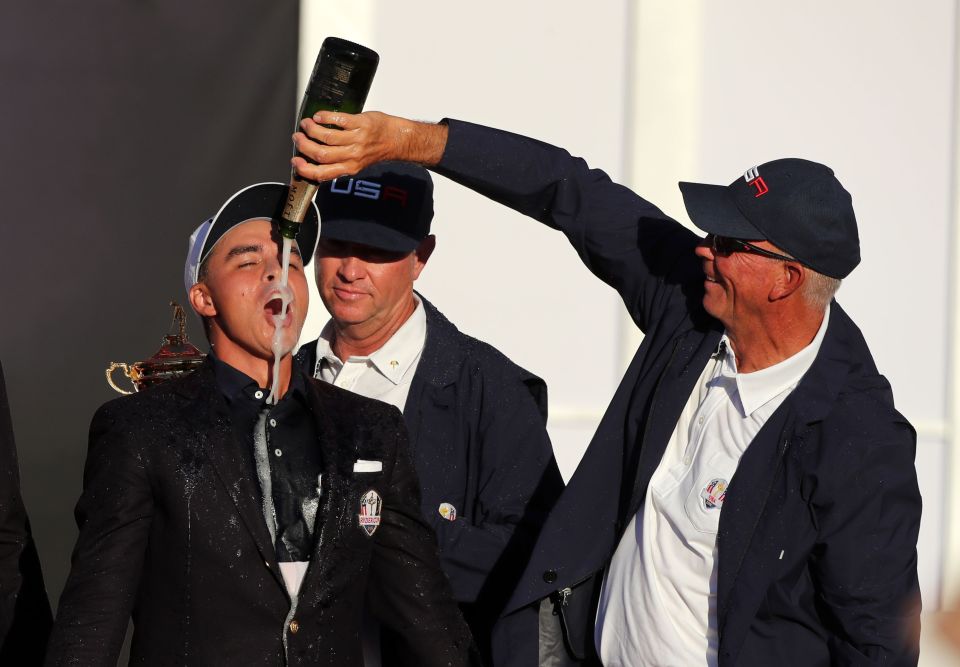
{"x":750,"y":496}
{"x":477,"y":421}
{"x":240,"y":532}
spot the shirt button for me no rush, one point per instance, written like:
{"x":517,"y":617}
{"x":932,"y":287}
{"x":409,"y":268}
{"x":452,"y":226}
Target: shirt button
{"x":294,"y":627}
{"x":278,"y":452}
{"x":700,"y":421}
{"x":258,"y":394}
{"x":686,"y":460}
{"x":273,"y":422}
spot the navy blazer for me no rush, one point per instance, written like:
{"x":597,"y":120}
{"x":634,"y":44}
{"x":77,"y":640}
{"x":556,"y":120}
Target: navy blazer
{"x":477,"y":425}
{"x":172,"y":532}
{"x":817,"y":538}
{"x":24,"y":609}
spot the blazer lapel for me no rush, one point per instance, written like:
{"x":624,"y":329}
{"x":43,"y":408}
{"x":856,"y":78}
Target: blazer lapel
{"x":339,"y":455}
{"x":746,"y":500}
{"x":434,"y":370}
{"x":207,"y":413}
{"x":755,"y":481}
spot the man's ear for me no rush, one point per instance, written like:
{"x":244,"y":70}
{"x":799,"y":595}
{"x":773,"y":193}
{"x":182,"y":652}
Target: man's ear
{"x":202,"y":301}
{"x":790,"y":278}
{"x":422,"y":254}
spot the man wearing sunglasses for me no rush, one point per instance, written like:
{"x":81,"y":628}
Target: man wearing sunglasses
{"x":750,"y":495}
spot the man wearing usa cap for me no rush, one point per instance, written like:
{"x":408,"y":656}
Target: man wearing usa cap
{"x":750,"y":496}
{"x":477,"y":421}
{"x":237,"y":530}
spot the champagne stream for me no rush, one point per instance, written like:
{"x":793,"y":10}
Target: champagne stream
{"x":286,"y":296}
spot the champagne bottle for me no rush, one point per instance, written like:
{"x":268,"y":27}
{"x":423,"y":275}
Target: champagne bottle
{"x":340,"y":81}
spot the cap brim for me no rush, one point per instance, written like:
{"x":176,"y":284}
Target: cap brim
{"x":261,"y":201}
{"x":712,"y":209}
{"x":368,"y":233}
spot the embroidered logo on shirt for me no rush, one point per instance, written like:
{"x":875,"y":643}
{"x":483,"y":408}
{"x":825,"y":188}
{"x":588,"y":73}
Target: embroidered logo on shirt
{"x":714,"y":493}
{"x":448,"y":511}
{"x":370,"y":506}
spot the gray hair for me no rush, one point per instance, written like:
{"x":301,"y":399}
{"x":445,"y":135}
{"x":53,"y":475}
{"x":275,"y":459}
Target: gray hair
{"x":818,"y":289}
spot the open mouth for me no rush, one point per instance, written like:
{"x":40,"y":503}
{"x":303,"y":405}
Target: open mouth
{"x":274,"y":297}
{"x":274,"y":306}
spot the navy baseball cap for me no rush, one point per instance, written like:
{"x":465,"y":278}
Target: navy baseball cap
{"x":388,"y":206}
{"x":797,"y":205}
{"x":258,"y":201}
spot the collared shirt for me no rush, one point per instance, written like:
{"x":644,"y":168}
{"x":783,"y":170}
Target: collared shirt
{"x":385,"y":374}
{"x":658,"y":603}
{"x":292,"y":464}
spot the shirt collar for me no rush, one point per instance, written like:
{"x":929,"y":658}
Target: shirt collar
{"x":759,"y":387}
{"x":395,"y":357}
{"x":235,"y":384}
{"x":325,"y":349}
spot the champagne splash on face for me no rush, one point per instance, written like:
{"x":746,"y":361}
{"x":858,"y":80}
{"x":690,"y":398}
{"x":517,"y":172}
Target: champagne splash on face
{"x":279,"y":347}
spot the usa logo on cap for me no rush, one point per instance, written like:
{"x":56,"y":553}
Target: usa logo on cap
{"x":752,"y":177}
{"x":370,"y":506}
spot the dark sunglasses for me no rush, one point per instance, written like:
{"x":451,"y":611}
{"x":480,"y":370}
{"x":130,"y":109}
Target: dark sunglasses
{"x":725,"y":245}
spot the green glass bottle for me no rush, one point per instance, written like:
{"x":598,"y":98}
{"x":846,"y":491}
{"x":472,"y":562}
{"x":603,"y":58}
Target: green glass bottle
{"x":340,"y":81}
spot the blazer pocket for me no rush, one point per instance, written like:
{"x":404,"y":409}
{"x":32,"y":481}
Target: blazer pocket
{"x":363,"y":466}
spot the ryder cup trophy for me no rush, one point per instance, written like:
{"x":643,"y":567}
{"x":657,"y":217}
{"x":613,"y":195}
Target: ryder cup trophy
{"x":177,"y":356}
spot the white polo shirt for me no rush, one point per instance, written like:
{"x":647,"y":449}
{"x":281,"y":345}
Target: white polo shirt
{"x":658,"y":602}
{"x":385,"y":374}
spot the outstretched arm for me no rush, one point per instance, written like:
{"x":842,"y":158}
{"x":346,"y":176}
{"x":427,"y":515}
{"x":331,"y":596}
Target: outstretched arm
{"x":623,"y":239}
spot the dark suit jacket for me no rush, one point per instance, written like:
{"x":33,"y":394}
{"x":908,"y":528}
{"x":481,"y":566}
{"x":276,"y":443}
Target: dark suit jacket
{"x":817,"y":538}
{"x":24,"y":609}
{"x":477,"y":424}
{"x":171,"y":529}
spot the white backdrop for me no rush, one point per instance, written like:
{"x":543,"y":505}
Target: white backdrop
{"x":655,"y":92}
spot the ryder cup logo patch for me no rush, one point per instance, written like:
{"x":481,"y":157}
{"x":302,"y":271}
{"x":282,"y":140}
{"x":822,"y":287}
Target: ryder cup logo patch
{"x":370,"y":506}
{"x":714,"y":493}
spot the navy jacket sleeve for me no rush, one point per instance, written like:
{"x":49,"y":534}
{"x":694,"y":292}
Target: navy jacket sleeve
{"x":623,"y":239}
{"x":114,"y":514}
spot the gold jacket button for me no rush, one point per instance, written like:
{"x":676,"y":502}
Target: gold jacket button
{"x":294,"y":627}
